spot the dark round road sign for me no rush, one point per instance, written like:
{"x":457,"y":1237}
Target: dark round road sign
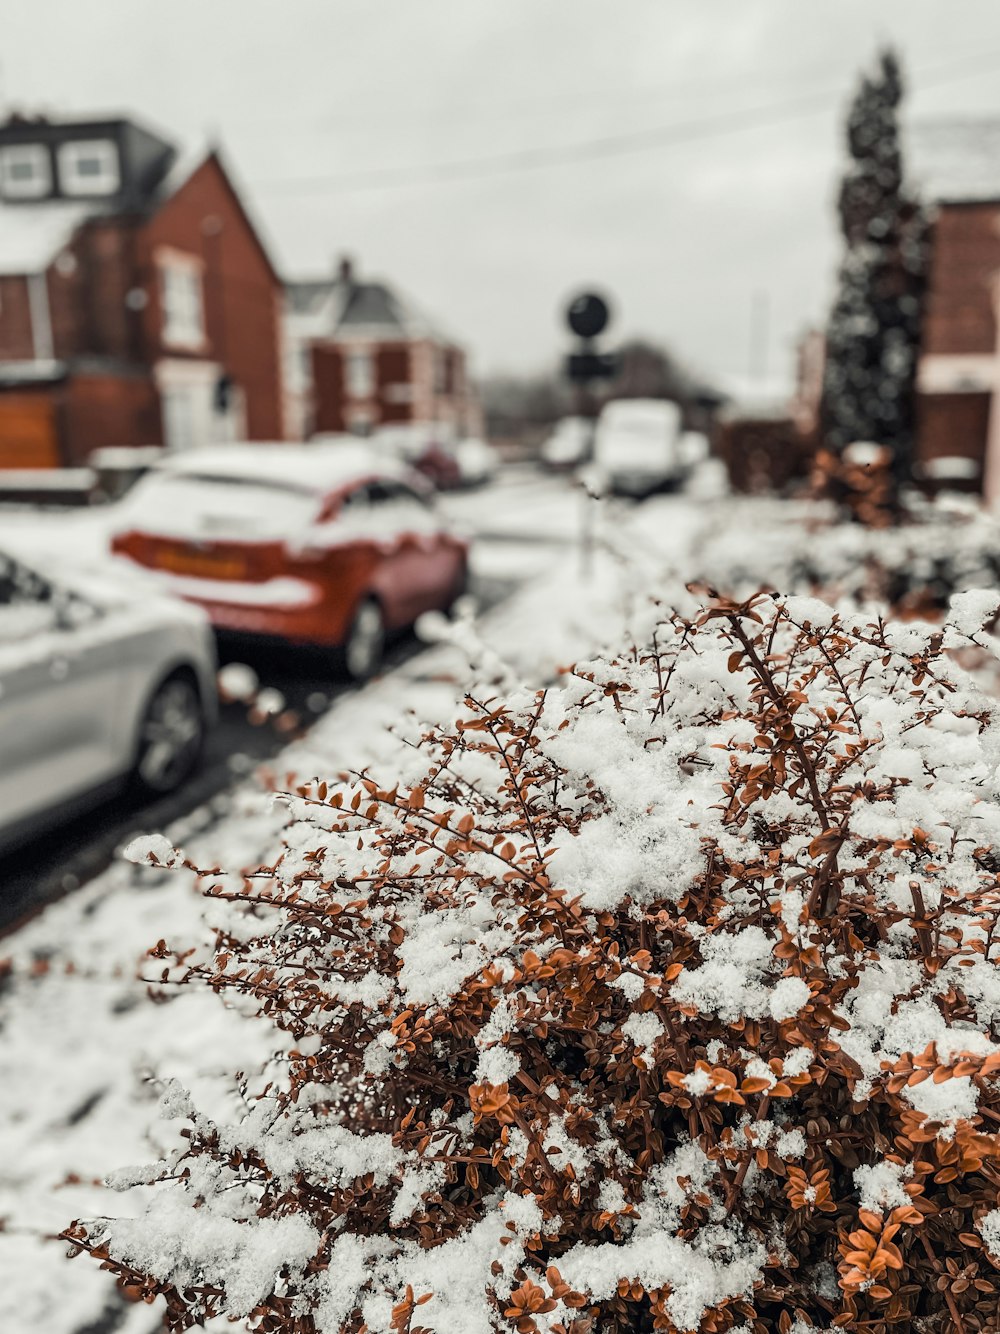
{"x":587,"y":315}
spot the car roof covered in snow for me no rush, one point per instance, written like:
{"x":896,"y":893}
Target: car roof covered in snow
{"x":310,"y":467}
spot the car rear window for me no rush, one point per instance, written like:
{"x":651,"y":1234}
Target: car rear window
{"x":192,"y":506}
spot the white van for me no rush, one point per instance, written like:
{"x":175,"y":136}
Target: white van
{"x":637,"y":446}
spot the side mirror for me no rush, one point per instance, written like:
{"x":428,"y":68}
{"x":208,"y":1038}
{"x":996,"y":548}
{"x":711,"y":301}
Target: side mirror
{"x":70,"y":610}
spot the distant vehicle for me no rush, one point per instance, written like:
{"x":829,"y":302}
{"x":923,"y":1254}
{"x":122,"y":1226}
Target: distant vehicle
{"x":637,"y":446}
{"x":477,"y":462}
{"x":568,"y":445}
{"x":425,"y":450}
{"x":102,"y":683}
{"x":692,"y":449}
{"x":332,"y":545}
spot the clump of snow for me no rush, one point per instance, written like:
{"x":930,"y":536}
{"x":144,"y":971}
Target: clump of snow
{"x":152,"y":849}
{"x":989,"y":1230}
{"x":881,"y":1185}
{"x":238,"y":681}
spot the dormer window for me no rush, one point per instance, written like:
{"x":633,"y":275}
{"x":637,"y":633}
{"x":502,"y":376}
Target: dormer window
{"x":25,"y":171}
{"x":89,"y":167}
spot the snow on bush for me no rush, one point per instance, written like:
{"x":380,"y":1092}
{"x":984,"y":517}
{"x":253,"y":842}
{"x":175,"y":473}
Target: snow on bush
{"x":914,"y":567}
{"x":666,"y":999}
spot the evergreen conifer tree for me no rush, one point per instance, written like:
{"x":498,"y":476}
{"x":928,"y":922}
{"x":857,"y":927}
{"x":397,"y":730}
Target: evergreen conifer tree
{"x":874,"y":328}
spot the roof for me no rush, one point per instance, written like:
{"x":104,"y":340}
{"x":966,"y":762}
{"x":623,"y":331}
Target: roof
{"x":954,"y":161}
{"x":320,"y":467}
{"x":188,"y":164}
{"x":338,"y":307}
{"x":765,"y":398}
{"x":31,"y":235}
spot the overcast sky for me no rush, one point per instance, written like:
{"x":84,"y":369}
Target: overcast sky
{"x":681,"y":155}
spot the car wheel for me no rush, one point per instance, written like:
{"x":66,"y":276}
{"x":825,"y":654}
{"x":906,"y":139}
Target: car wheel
{"x":171,"y":737}
{"x":361,"y":654}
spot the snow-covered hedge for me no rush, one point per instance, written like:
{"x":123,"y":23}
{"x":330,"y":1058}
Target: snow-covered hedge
{"x":665,"y":999}
{"x":913,"y":567}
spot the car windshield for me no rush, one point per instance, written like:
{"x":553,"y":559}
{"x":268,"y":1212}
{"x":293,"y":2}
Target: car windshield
{"x":25,"y":608}
{"x":202,"y":507}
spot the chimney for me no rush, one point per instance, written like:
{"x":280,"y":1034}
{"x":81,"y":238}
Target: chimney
{"x":345,"y":271}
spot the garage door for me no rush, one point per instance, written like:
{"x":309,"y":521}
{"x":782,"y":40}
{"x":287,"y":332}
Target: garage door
{"x":27,"y":432}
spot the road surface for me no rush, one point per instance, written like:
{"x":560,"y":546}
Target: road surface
{"x":517,"y":524}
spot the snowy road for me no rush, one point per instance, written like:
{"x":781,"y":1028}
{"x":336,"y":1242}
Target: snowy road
{"x":518,"y":523}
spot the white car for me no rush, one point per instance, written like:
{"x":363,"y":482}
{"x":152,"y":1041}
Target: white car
{"x":477,"y":460}
{"x":569,"y":444}
{"x":102,"y":683}
{"x":637,"y":446}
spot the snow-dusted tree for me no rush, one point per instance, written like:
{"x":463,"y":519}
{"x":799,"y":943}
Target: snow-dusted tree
{"x":664,"y":1000}
{"x":874,"y":328}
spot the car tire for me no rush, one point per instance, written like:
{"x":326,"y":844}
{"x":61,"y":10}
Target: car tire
{"x":171,"y":737}
{"x":360,"y":655}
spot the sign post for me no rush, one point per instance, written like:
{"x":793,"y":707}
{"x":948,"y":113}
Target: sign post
{"x":587,"y":316}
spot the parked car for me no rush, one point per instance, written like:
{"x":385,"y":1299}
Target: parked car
{"x":102,"y":683}
{"x":569,"y":444}
{"x":477,"y":461}
{"x":425,"y":450}
{"x":636,"y":446}
{"x":333,"y":545}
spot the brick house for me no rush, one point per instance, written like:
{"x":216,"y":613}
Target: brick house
{"x":956,"y":168}
{"x":361,"y":356}
{"x":138,"y":305}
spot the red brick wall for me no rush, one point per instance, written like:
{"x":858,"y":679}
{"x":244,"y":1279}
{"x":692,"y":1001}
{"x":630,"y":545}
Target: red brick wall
{"x":392,"y":368}
{"x":105,"y":254}
{"x":952,"y":426}
{"x":965,"y":260}
{"x":242,"y":296}
{"x":328,"y":388}
{"x":86,"y":286}
{"x":396,"y":364}
{"x":15,"y":319}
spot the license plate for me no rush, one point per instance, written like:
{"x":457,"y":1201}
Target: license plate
{"x":201,"y":564}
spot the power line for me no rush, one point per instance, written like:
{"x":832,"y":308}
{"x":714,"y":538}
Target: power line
{"x":593,"y":149}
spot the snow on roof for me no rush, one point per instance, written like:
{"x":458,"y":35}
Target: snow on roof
{"x":317,"y":467}
{"x":333,"y":307}
{"x":757,"y":396}
{"x":183,"y":167}
{"x":31,"y":235}
{"x":954,"y":160}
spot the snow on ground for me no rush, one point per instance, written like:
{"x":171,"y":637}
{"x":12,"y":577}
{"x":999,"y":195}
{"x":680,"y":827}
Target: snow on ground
{"x":82,"y":1046}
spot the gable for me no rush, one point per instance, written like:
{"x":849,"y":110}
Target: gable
{"x":206,"y":190}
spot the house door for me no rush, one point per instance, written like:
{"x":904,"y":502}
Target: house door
{"x":28,"y":436}
{"x":193,"y":414}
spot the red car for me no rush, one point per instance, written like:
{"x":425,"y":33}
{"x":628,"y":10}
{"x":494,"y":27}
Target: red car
{"x":320,"y":544}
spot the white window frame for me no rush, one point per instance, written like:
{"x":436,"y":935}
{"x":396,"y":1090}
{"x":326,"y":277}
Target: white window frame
{"x":183,"y":311}
{"x":359,"y":372}
{"x":39,"y":185}
{"x":106,"y":182}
